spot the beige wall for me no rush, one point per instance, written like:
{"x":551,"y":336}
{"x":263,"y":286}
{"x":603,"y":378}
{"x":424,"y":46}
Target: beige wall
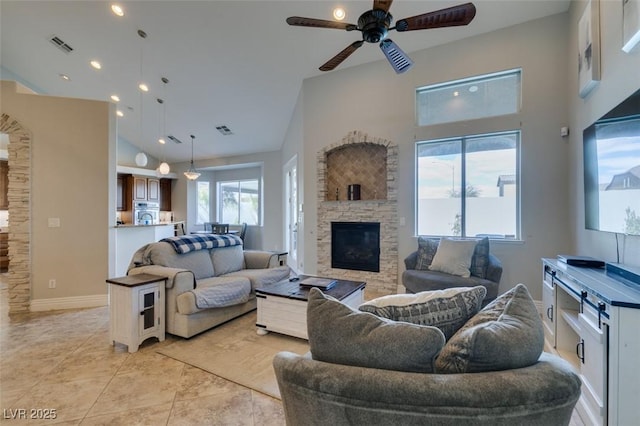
{"x":620,"y":77}
{"x":373,"y":99}
{"x":73,"y":179}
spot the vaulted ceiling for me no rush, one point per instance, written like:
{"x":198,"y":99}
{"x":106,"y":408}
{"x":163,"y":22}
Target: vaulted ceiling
{"x":229,"y":63}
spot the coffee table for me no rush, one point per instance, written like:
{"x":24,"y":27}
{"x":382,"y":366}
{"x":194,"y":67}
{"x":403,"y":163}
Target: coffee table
{"x":282,"y":306}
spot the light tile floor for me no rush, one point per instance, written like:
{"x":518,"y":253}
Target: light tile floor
{"x":62,"y":361}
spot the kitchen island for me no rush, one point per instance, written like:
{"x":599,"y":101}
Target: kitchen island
{"x":130,"y":237}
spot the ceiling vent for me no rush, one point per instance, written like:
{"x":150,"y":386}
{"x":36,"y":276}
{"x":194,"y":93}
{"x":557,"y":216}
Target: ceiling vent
{"x":224,"y":130}
{"x":60,"y":44}
{"x":174,"y":139}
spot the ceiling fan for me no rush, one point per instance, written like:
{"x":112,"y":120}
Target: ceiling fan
{"x":376,"y":23}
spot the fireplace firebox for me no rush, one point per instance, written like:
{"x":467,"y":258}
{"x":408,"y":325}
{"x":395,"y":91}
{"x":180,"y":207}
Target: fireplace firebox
{"x":355,"y":246}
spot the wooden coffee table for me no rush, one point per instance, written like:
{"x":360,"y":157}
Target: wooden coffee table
{"x":282,"y":306}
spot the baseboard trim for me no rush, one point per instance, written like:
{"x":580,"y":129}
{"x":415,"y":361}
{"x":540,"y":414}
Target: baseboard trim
{"x":76,"y":302}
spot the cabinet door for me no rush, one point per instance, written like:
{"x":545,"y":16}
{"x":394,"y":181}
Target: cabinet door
{"x":548,"y":313}
{"x":139,"y":189}
{"x":4,"y":185}
{"x":165,"y":195}
{"x":593,"y":370}
{"x":148,"y":323}
{"x":122,"y":183}
{"x":153,"y":190}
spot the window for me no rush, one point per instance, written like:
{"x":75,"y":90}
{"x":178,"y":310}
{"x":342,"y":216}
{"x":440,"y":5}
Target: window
{"x":490,"y":95}
{"x":469,"y":186}
{"x":203,"y":202}
{"x":239,"y":202}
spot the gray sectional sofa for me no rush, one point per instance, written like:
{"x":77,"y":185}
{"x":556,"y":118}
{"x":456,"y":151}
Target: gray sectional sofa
{"x":210,"y":279}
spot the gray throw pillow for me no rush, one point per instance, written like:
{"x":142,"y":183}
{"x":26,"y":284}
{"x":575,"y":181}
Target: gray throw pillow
{"x":506,"y":334}
{"x":480,"y":259}
{"x":341,"y":335}
{"x":446,"y":309}
{"x":427,"y":248}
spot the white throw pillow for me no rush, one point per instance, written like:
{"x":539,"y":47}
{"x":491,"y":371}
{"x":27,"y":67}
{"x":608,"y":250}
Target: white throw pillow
{"x":454,"y":257}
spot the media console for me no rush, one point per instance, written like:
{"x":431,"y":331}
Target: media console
{"x":591,"y":319}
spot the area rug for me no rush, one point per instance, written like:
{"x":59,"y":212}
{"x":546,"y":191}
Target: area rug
{"x":234,"y":351}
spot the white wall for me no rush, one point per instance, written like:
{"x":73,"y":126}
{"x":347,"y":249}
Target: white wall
{"x":373,"y":99}
{"x":620,"y":77}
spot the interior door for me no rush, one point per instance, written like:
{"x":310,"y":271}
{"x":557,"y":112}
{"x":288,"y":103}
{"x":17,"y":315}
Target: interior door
{"x":291,"y":215}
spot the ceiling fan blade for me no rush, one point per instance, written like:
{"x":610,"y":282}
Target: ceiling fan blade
{"x":396,"y":57}
{"x":319,"y":23}
{"x":337,"y":60}
{"x":449,"y":17}
{"x":382,"y":4}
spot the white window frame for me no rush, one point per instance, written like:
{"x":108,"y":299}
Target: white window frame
{"x":463,"y":184}
{"x":220,"y":205}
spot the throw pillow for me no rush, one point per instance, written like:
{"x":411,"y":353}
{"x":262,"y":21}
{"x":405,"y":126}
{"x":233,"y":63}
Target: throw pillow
{"x":446,"y":309}
{"x":341,"y":335}
{"x":454,"y":257}
{"x":480,"y":259}
{"x":506,"y":334}
{"x":426,"y":250}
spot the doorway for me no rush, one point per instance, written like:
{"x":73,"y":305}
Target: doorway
{"x":291,"y":216}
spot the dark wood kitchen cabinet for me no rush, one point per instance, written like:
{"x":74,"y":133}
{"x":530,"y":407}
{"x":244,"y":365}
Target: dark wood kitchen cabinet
{"x":123,"y":193}
{"x":4,"y":185}
{"x":165,"y":195}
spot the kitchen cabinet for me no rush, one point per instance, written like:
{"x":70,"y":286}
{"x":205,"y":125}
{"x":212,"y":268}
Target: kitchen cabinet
{"x":145,"y":189}
{"x":4,"y":251}
{"x":123,"y":194}
{"x":153,"y":190}
{"x":165,"y":195}
{"x":4,"y":185}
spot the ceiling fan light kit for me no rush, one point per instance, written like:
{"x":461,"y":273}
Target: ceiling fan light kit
{"x":375,"y":25}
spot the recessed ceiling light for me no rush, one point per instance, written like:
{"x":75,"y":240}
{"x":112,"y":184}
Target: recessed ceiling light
{"x":339,"y":13}
{"x":119,"y":113}
{"x":64,"y":77}
{"x":143,"y":87}
{"x":456,"y":93}
{"x":115,"y":98}
{"x":96,"y":65}
{"x":473,"y":89}
{"x":161,"y":141}
{"x":117,"y":9}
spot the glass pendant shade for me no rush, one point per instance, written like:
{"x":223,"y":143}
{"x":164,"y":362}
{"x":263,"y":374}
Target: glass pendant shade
{"x":164,"y":168}
{"x":192,"y":173}
{"x":141,"y":159}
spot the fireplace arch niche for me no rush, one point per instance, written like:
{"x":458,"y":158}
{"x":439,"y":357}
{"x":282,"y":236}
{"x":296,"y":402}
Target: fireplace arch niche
{"x":371,"y":163}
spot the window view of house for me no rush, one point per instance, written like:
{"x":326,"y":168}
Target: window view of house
{"x":468,"y":186}
{"x":239,"y":202}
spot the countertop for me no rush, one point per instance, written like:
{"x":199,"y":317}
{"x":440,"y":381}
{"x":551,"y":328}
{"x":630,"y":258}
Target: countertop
{"x":131,"y":225}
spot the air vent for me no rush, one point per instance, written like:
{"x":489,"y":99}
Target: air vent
{"x":60,"y":44}
{"x":224,"y":130}
{"x":174,"y":139}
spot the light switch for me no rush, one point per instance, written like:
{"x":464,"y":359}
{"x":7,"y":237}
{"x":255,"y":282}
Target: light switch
{"x":54,"y":222}
{"x":402,"y":221}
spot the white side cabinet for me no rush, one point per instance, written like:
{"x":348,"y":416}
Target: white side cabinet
{"x":591,"y":320}
{"x":136,"y":309}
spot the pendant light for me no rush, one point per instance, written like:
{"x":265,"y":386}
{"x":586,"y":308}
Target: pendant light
{"x":192,"y":173}
{"x":141,"y":157}
{"x":164,"y":168}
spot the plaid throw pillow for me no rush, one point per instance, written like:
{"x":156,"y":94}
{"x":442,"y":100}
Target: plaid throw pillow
{"x":427,"y":248}
{"x":480,"y":259}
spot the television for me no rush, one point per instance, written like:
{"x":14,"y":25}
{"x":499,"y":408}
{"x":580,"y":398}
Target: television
{"x":612,"y":170}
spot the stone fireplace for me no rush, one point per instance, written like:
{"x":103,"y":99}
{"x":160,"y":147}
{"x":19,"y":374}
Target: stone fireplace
{"x":371,"y":163}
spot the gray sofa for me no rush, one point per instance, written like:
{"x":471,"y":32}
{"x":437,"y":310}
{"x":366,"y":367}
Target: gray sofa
{"x":207,"y":286}
{"x":364,"y":369}
{"x":417,"y":280}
